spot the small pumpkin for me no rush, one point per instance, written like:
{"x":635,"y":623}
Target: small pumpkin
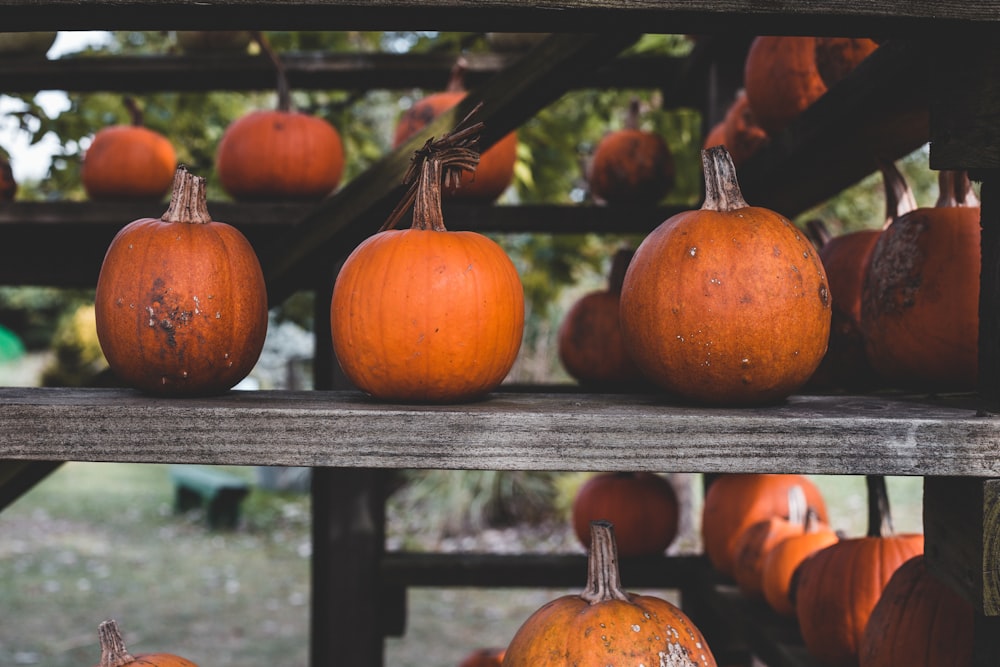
{"x":734,"y":502}
{"x":642,"y":506}
{"x":181,"y":305}
{"x":484,"y":657}
{"x":114,"y":652}
{"x":741,"y":134}
{"x":128,"y":161}
{"x":918,"y":622}
{"x":837,"y":587}
{"x":589,"y":340}
{"x":920,"y":297}
{"x":424,"y":314}
{"x":781,"y":79}
{"x":728,"y":304}
{"x":836,"y":57}
{"x":781,"y":562}
{"x":631,"y":166}
{"x":495,"y":171}
{"x":607,"y":625}
{"x":754,"y":544}
{"x":280,"y":153}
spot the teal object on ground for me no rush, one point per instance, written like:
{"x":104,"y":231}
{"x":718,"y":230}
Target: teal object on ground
{"x":11,"y":347}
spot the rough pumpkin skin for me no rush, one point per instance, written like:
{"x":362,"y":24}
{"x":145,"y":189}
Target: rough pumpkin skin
{"x":181,"y":305}
{"x":728,"y":304}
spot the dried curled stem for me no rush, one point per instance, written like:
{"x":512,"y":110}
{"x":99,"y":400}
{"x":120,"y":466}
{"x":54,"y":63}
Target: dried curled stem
{"x":437,"y":162}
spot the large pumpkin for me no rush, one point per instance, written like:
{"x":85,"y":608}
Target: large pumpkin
{"x":631,"y":166}
{"x":918,"y":622}
{"x":735,"y":502}
{"x":837,"y":587}
{"x":605,"y":625}
{"x":114,"y":652}
{"x":781,"y":79}
{"x":128,"y":161}
{"x":181,"y":305}
{"x":836,"y":57}
{"x":642,"y":506}
{"x":728,"y":304}
{"x":424,"y":314}
{"x":920,"y":299}
{"x":781,"y":562}
{"x":589,"y":340}
{"x":495,"y":171}
{"x":281,"y":153}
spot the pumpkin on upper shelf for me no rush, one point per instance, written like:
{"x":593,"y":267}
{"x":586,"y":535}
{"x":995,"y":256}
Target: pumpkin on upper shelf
{"x":836,"y":57}
{"x":114,"y":652}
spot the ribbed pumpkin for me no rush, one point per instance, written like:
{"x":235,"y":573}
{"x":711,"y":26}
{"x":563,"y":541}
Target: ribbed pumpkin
{"x":846,"y":258}
{"x":128,"y":161}
{"x":424,"y":314}
{"x":484,"y":657}
{"x":641,"y":505}
{"x":918,"y":622}
{"x":114,"y":652}
{"x":838,"y":587}
{"x":279,"y":154}
{"x":631,"y":166}
{"x":734,"y":502}
{"x":605,"y":625}
{"x":781,"y":562}
{"x":589,"y":340}
{"x":920,"y":299}
{"x":181,"y":305}
{"x":495,"y":171}
{"x":836,"y":57}
{"x":728,"y":304}
{"x":781,"y":79}
{"x":756,"y":541}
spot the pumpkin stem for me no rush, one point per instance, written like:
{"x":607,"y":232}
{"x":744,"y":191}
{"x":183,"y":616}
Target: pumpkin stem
{"x":284,"y":90}
{"x":879,"y":515}
{"x":456,"y":79}
{"x":603,"y":577}
{"x":188,"y":202}
{"x":114,"y":653}
{"x":619,"y":266}
{"x":798,"y":506}
{"x":899,"y":199}
{"x":955,"y":189}
{"x":632,"y":117}
{"x":134,"y":111}
{"x":811,"y":521}
{"x":722,"y":189}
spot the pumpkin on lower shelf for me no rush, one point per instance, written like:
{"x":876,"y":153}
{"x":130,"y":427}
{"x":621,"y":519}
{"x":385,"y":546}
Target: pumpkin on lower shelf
{"x":181,"y":305}
{"x":781,"y":562}
{"x":754,"y":544}
{"x":484,"y":657}
{"x":606,"y":625}
{"x":641,"y":505}
{"x":838,"y":587}
{"x":114,"y":652}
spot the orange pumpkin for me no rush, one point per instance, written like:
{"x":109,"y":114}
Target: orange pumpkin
{"x":484,"y":657}
{"x":495,"y":171}
{"x":728,"y":304}
{"x":424,"y":314}
{"x":735,"y":502}
{"x":181,"y":305}
{"x":846,"y":258}
{"x":742,"y":135}
{"x":114,"y":653}
{"x":281,"y":153}
{"x":754,"y":544}
{"x":836,"y":57}
{"x":641,"y":505}
{"x":589,"y":340}
{"x":918,"y":622}
{"x":837,"y":587}
{"x":781,"y":79}
{"x":605,"y":625}
{"x":781,"y":562}
{"x":128,"y":161}
{"x":631,"y":166}
{"x":920,"y":299}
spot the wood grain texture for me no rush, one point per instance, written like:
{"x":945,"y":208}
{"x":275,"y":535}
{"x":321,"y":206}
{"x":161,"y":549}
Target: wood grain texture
{"x":508,"y":431}
{"x":847,"y":17}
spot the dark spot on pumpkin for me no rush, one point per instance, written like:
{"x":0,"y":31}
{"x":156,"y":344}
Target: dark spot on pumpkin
{"x":746,"y":298}
{"x":824,"y":295}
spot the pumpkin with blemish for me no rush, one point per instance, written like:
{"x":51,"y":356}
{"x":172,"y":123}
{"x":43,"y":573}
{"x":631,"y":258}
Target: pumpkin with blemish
{"x":181,"y":305}
{"x":606,"y":625}
{"x":728,"y":304}
{"x":114,"y":652}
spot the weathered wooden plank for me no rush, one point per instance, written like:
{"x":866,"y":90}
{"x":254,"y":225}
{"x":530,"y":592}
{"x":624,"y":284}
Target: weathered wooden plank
{"x":666,"y":16}
{"x":962,"y":527}
{"x":306,"y":71}
{"x":18,"y":477}
{"x":808,"y":434}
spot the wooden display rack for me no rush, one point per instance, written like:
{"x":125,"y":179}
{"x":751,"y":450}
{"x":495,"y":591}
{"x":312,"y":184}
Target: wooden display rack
{"x":937,"y":70}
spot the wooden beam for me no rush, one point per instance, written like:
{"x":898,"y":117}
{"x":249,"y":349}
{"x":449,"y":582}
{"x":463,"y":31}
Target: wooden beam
{"x":19,"y":477}
{"x":962,"y":530}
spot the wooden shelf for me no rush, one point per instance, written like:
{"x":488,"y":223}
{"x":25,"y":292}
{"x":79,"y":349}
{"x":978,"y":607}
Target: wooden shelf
{"x":845,"y":435}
